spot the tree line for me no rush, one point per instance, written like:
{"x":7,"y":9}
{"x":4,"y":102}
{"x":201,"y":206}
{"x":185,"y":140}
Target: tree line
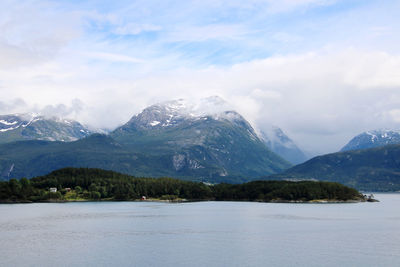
{"x":98,"y":184}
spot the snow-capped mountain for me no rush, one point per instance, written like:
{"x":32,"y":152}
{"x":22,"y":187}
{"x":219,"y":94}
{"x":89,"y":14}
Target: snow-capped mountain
{"x":205,"y":137}
{"x":204,"y":141}
{"x":31,"y":126}
{"x":374,"y":138}
{"x":173,"y":113}
{"x":281,"y":144}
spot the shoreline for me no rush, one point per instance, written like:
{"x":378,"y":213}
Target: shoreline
{"x":280,"y":201}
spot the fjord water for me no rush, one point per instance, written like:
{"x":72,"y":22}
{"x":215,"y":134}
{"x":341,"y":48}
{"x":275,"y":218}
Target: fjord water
{"x":201,"y":234}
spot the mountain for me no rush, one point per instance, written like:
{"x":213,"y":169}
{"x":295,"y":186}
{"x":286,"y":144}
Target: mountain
{"x":37,"y":157}
{"x":375,"y":138}
{"x":373,"y":169}
{"x":203,"y":139}
{"x":18,"y":127}
{"x":281,"y":144}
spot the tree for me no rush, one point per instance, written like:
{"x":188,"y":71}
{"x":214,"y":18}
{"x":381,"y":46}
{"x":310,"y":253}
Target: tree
{"x":78,"y":189}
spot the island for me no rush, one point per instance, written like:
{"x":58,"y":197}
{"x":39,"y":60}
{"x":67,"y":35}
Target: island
{"x":88,"y":184}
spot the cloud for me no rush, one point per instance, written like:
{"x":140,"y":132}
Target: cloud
{"x":317,"y":69}
{"x":111,"y":57}
{"x":265,"y":94}
{"x":16,"y":105}
{"x":31,"y":33}
{"x":62,"y":110}
{"x":395,"y":115}
{"x":321,"y":99}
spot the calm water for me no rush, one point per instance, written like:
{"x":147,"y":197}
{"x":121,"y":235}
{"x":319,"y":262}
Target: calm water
{"x":201,"y":234}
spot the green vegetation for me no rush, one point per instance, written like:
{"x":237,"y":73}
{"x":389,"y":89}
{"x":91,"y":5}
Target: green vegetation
{"x":95,"y":184}
{"x":207,"y":148}
{"x":203,"y":150}
{"x":285,"y":191}
{"x":374,"y":169}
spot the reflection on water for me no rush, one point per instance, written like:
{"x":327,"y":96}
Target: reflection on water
{"x":201,"y":234}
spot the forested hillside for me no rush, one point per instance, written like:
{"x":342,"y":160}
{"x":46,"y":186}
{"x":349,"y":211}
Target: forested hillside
{"x":73,"y":184}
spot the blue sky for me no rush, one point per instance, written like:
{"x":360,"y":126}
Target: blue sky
{"x":312,"y":67}
{"x":227,"y":32}
{"x":201,"y":33}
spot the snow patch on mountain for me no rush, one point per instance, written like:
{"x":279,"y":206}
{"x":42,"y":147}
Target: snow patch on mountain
{"x":154,"y":123}
{"x":373,"y":138}
{"x":169,"y":113}
{"x":28,"y":126}
{"x":8,"y":123}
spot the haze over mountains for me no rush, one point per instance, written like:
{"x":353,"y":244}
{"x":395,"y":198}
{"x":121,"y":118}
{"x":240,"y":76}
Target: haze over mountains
{"x":18,"y":127}
{"x":202,"y":140}
{"x":282,"y":145}
{"x":169,"y":115}
{"x":177,"y":138}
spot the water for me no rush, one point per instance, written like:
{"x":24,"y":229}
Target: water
{"x":201,"y":234}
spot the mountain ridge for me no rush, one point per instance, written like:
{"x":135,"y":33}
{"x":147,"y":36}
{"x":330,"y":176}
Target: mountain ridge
{"x":373,"y":138}
{"x":372,"y":169}
{"x":193,"y":137}
{"x":32,"y":126}
{"x":168,"y":139}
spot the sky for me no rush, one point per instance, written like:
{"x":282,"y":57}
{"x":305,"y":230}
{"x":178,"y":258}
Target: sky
{"x":322,"y":70}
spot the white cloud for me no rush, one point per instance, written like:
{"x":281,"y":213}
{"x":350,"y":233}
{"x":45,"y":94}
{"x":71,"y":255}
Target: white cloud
{"x":395,"y":114}
{"x":319,"y":98}
{"x":322,"y":79}
{"x":112,"y":57}
{"x":265,"y":94}
{"x":30,"y":33}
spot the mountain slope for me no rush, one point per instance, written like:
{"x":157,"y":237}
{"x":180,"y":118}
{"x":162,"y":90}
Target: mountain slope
{"x":203,"y":140}
{"x":281,"y":144}
{"x":36,"y":157}
{"x":18,"y":127}
{"x":375,"y":138}
{"x":374,"y":169}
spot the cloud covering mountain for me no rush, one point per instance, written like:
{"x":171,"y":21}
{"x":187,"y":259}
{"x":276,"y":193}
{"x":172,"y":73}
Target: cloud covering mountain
{"x":316,"y":68}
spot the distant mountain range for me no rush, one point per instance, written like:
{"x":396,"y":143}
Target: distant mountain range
{"x":373,"y":169}
{"x":370,"y":162}
{"x":20,"y":127}
{"x":203,"y":141}
{"x":374,"y":138}
{"x":281,"y":144}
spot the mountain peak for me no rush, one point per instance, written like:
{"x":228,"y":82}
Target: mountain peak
{"x":33,"y":126}
{"x":373,"y":138}
{"x":195,"y":108}
{"x":205,"y":138}
{"x":174,"y":112}
{"x":281,"y":144}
